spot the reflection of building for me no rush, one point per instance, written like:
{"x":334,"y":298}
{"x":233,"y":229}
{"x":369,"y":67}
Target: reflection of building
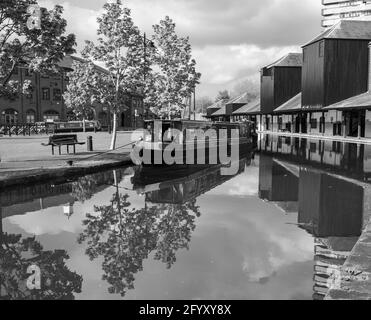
{"x":332,"y":210}
{"x":335,"y":10}
{"x":276,"y":183}
{"x":330,"y":206}
{"x":46,"y":100}
{"x":345,"y":159}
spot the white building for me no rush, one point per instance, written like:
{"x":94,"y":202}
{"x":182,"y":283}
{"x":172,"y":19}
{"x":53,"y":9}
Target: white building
{"x":335,"y":10}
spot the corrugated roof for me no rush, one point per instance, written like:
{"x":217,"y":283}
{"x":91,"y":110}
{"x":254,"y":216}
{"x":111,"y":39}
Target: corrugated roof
{"x":294,"y":104}
{"x":242,"y":99}
{"x":361,"y":101}
{"x":248,"y":107}
{"x":346,"y":29}
{"x":255,"y":109}
{"x":289,"y":60}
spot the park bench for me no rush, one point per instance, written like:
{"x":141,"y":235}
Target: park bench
{"x":63,"y":140}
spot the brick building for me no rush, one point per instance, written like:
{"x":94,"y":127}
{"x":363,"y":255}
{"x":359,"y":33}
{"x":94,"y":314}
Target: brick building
{"x":46,"y":101}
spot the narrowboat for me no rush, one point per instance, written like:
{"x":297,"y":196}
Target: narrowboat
{"x":186,"y":142}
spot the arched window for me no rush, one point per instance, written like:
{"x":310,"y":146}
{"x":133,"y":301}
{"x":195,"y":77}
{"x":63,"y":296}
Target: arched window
{"x":9,"y":116}
{"x":51,"y":115}
{"x":30,"y":116}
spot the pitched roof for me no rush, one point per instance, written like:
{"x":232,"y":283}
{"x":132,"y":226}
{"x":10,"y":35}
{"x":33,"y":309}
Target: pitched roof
{"x":360,"y":101}
{"x":255,"y":109}
{"x":217,"y":105}
{"x":221,"y":112}
{"x":289,"y":60}
{"x":346,"y":29}
{"x":294,"y":104}
{"x":242,"y":99}
{"x":248,"y":107}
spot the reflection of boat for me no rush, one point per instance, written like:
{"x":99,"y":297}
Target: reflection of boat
{"x":186,"y":142}
{"x":184,"y":187}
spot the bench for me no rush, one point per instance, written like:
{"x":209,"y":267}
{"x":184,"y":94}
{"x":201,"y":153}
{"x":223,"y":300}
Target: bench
{"x":63,"y":140}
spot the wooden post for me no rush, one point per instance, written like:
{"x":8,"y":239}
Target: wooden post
{"x":359,"y":125}
{"x":344,"y":125}
{"x":323,"y":124}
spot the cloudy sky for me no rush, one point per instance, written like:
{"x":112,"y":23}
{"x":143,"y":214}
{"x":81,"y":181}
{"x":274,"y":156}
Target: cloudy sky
{"x":231,"y":39}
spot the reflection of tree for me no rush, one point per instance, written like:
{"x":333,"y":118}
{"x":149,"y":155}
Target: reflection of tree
{"x":84,"y":188}
{"x":174,"y":230}
{"x":125,"y":237}
{"x":17,"y":254}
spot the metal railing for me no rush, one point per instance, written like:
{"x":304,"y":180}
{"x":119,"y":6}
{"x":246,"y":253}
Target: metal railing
{"x":27,"y":129}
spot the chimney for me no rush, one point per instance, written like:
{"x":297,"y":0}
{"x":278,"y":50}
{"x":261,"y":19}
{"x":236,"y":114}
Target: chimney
{"x":369,"y":67}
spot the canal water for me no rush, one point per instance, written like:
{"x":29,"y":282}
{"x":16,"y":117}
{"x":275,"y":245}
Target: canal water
{"x":279,"y":229}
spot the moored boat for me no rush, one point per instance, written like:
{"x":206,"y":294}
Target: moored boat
{"x":186,"y":142}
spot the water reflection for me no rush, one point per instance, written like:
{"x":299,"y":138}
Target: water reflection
{"x":17,"y":254}
{"x":281,"y":228}
{"x":333,"y":205}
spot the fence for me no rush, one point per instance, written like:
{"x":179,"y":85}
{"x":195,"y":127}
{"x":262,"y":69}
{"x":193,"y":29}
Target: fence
{"x":27,"y":129}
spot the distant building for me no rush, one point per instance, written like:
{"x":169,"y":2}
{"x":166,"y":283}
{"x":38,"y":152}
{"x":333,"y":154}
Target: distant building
{"x":336,"y":10}
{"x":46,"y":100}
{"x":280,"y":81}
{"x":225,"y":109}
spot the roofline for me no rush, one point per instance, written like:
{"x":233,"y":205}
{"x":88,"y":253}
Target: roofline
{"x":271,"y":65}
{"x":329,"y":39}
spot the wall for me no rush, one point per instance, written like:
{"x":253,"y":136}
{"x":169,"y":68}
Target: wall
{"x":312,"y":77}
{"x":346,"y":69}
{"x":35,"y":103}
{"x":267,"y":90}
{"x":287,"y":84}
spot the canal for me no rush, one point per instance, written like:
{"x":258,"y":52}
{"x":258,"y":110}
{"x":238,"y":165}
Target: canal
{"x":279,"y":229}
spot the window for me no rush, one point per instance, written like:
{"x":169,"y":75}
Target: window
{"x":45,"y":93}
{"x":321,"y":49}
{"x":9,"y":117}
{"x":57,"y":95}
{"x":313,"y":123}
{"x":51,"y":116}
{"x":30,"y":116}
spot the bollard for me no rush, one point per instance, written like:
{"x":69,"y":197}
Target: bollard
{"x":89,"y":143}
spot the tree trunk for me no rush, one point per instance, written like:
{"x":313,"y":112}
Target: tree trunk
{"x":1,"y":230}
{"x":83,"y":125}
{"x":114,"y":132}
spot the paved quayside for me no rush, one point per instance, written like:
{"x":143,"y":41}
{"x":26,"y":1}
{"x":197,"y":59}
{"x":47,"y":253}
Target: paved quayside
{"x":355,"y":278}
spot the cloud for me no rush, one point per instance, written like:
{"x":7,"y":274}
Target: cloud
{"x":232,"y":39}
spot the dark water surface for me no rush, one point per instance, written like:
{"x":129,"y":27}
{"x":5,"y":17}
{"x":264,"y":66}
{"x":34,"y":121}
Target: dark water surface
{"x":277,"y":230}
